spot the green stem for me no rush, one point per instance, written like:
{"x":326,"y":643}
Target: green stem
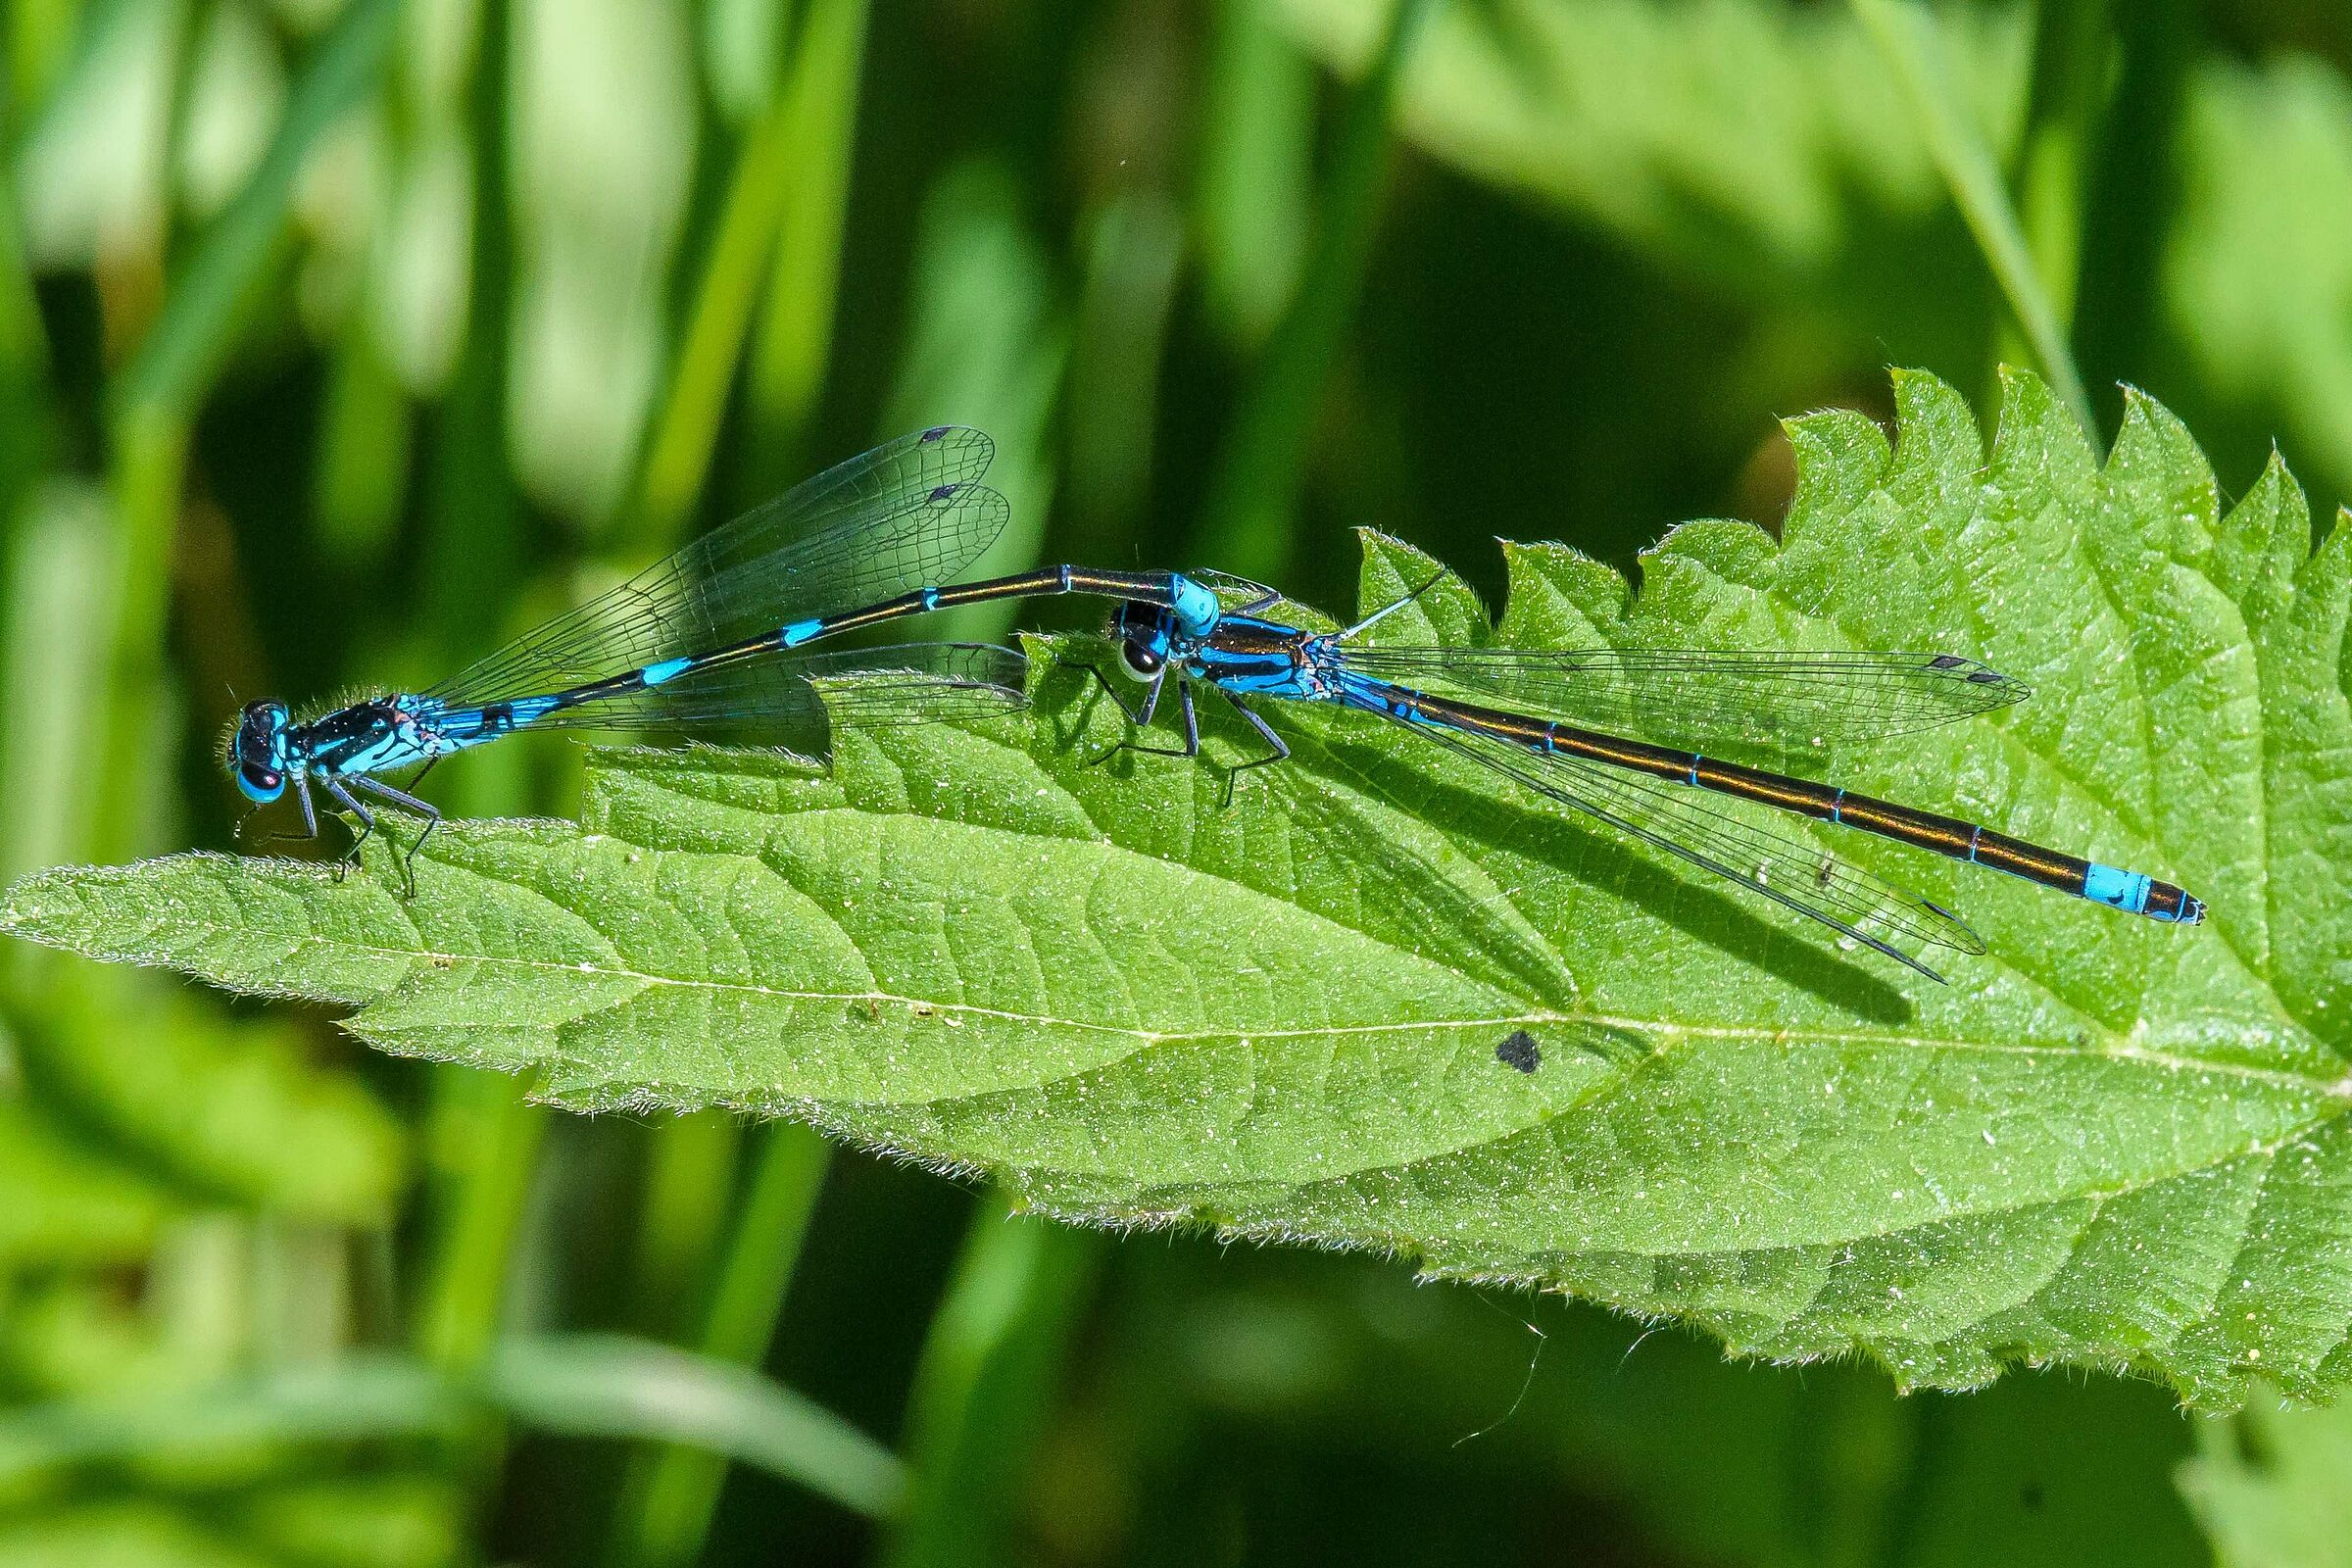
{"x":679,"y":455}
{"x":487,"y":1139}
{"x":989,"y":1372}
{"x":23,"y":343}
{"x":474,"y":516}
{"x":183,"y":350}
{"x":2070,"y":54}
{"x":672,"y":1494}
{"x":1253,"y":176}
{"x":154,"y":403}
{"x":689,"y":1185}
{"x":796,"y":332}
{"x":1908,"y":38}
{"x":1134,"y":259}
{"x":40,"y":37}
{"x":150,"y":466}
{"x":1247,"y":522}
{"x":189,"y":26}
{"x":2132,"y":200}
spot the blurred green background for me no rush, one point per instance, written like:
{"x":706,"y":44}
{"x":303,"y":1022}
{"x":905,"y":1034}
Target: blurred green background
{"x":337,"y":341}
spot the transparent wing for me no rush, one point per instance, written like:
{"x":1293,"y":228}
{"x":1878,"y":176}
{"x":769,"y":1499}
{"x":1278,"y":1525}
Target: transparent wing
{"x":782,"y":699}
{"x":1704,"y":698}
{"x":1716,"y":833}
{"x":901,"y":517}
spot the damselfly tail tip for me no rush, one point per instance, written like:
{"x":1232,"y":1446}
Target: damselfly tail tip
{"x":2169,"y":903}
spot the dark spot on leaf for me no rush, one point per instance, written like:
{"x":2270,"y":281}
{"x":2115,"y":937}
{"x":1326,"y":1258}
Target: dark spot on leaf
{"x":1519,"y":1049}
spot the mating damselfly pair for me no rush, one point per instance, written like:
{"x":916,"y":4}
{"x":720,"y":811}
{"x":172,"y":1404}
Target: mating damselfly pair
{"x":716,"y":639}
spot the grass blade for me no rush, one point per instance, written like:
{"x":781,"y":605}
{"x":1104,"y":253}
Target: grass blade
{"x":989,"y":1371}
{"x":670,"y":1502}
{"x":615,"y":1386}
{"x":1245,"y":525}
{"x":1907,"y":36}
{"x":795,"y":331}
{"x":592,"y":1386}
{"x":200,"y":314}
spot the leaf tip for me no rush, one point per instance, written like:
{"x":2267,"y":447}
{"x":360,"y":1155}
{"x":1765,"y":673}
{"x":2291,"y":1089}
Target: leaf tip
{"x":2034,"y":428}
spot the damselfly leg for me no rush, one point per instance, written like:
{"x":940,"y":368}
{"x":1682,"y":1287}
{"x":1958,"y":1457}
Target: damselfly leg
{"x":1139,"y":717}
{"x":1280,"y":753}
{"x":350,"y":802}
{"x":424,"y":809}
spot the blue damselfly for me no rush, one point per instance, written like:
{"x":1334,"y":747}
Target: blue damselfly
{"x":1680,"y":800}
{"x":714,"y":640}
{"x":710,"y":640}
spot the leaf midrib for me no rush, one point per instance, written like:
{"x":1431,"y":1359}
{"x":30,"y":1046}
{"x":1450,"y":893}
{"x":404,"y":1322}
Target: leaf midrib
{"x":1667,"y":1032}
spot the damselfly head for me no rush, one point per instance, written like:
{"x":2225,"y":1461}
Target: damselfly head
{"x":257,"y":752}
{"x":1143,"y":638}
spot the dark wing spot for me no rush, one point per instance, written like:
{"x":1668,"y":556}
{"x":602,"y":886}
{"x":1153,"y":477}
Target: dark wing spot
{"x":935,"y":432}
{"x":1984,"y":677}
{"x":1946,"y":662}
{"x":1520,"y":1051}
{"x":945,"y":491}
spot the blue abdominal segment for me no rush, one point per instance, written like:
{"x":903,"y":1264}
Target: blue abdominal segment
{"x":2118,"y":889}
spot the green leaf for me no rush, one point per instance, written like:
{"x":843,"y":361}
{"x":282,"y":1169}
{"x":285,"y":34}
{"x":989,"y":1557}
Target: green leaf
{"x":2269,"y":1488}
{"x":67,"y":1203}
{"x":2107,"y":1142}
{"x":2258,"y":276}
{"x":1760,"y":145}
{"x":222,"y":1109}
